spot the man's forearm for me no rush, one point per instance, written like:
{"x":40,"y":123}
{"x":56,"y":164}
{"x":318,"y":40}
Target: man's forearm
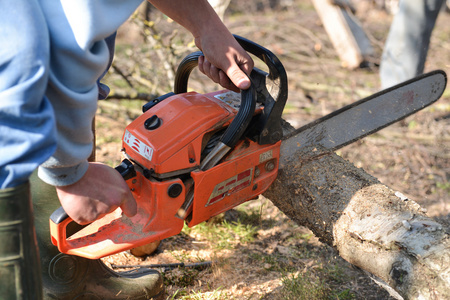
{"x":197,"y":16}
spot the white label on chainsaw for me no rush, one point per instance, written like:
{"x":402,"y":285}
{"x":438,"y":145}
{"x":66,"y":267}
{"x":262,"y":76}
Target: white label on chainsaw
{"x":265,"y":156}
{"x":229,"y":186}
{"x":138,"y":146}
{"x":231,"y":98}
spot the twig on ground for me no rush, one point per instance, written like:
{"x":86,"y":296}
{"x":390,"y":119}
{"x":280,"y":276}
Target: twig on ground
{"x":199,"y":265}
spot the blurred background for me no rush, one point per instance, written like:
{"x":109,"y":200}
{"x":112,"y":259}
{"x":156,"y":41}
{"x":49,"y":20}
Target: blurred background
{"x":256,"y":252}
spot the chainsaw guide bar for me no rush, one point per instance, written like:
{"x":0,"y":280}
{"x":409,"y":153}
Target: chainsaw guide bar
{"x":367,"y":116}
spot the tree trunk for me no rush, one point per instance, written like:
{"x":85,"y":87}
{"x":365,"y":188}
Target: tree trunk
{"x":370,"y":225}
{"x":220,"y":6}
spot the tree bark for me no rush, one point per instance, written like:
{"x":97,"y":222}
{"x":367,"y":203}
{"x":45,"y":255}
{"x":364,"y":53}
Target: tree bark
{"x":370,"y":225}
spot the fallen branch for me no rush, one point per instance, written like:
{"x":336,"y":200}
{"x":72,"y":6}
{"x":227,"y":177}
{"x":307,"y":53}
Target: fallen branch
{"x":370,"y":225}
{"x":345,"y":32}
{"x":132,"y":96}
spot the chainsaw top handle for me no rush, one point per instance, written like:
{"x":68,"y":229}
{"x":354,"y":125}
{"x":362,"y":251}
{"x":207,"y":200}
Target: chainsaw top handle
{"x":267,"y":130}
{"x":246,"y":110}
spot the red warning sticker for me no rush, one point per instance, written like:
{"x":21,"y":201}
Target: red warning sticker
{"x":229,"y":186}
{"x":138,"y":146}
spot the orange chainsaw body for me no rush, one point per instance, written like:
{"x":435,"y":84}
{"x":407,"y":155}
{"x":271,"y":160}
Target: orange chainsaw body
{"x":189,"y":157}
{"x":177,"y":143}
{"x":247,"y":174}
{"x":174,"y":148}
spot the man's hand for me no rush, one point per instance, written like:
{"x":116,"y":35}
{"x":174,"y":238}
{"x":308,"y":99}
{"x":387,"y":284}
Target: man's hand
{"x":100,"y":191}
{"x":226,"y":62}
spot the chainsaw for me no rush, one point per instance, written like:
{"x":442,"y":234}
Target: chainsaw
{"x":192,"y":156}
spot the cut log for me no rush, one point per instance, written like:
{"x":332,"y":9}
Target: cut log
{"x":370,"y":225}
{"x":345,"y":32}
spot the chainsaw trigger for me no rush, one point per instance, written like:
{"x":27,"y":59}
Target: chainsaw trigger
{"x":126,"y":169}
{"x":59,"y":215}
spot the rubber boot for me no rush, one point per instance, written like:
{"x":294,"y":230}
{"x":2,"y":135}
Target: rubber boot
{"x":72,"y":277}
{"x":20,"y":272}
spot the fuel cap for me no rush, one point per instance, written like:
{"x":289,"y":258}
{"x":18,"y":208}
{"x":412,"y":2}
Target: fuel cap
{"x":152,"y":123}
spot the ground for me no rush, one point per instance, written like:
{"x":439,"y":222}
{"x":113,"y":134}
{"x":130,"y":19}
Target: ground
{"x":255,"y":251}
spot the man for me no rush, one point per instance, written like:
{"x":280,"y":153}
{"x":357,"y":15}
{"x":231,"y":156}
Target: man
{"x":407,"y":44}
{"x":51,"y":56}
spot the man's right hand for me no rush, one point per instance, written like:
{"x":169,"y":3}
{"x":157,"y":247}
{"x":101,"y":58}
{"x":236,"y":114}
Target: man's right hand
{"x":225,"y":61}
{"x":100,"y":191}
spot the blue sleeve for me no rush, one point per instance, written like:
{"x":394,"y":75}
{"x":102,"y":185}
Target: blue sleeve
{"x":82,"y":36}
{"x":27,"y":123}
{"x":48,"y":102}
{"x":64,"y":175}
